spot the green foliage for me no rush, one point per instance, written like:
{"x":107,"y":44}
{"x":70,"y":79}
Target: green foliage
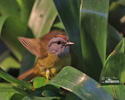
{"x":80,"y":84}
{"x":98,"y":50}
{"x":117,"y":91}
{"x":94,"y":35}
{"x":2,"y":20}
{"x":39,"y":82}
{"x":42,"y":17}
{"x":115,"y":64}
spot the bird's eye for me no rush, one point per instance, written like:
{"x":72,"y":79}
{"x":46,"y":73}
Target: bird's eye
{"x":59,"y":42}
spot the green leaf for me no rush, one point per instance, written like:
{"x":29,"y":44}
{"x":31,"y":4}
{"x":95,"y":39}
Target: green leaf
{"x":17,"y":96}
{"x":113,"y":39}
{"x":121,"y":46}
{"x":80,"y":84}
{"x":117,"y":91}
{"x":71,"y":96}
{"x":13,"y":28}
{"x":51,"y":91}
{"x":14,"y":81}
{"x":25,"y":9}
{"x":59,"y":25}
{"x":94,"y":35}
{"x":114,"y":67}
{"x":39,"y":82}
{"x":9,"y":8}
{"x":16,"y":23}
{"x":2,"y":20}
{"x":19,"y":8}
{"x":69,"y":13}
{"x":7,"y":91}
{"x":42,"y":17}
{"x":41,"y":98}
{"x":9,"y":62}
{"x":5,"y":87}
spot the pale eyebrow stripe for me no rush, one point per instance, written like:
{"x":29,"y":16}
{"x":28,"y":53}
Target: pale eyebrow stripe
{"x":95,"y":12}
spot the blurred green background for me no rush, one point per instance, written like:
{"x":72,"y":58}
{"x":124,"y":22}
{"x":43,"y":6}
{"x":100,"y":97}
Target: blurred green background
{"x":97,"y":27}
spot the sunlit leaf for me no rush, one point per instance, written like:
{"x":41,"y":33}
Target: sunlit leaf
{"x":42,"y":17}
{"x":39,"y":82}
{"x":80,"y":84}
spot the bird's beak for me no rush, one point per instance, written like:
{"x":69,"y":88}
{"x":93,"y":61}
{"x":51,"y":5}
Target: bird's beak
{"x":69,"y":43}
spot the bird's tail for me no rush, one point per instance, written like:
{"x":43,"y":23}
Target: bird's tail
{"x":26,"y":74}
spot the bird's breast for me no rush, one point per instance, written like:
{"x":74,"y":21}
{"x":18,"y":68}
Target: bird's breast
{"x":52,"y":61}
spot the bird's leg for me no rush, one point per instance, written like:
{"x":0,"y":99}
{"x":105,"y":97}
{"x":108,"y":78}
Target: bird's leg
{"x":47,"y":74}
{"x":53,"y":71}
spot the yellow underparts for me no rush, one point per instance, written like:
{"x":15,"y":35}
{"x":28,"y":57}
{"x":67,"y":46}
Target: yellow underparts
{"x":45,"y":67}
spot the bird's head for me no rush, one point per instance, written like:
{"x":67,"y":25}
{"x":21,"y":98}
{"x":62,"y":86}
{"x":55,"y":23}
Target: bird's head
{"x":59,"y":45}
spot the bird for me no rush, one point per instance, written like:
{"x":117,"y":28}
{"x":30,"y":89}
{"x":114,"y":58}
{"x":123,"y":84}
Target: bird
{"x":52,"y":51}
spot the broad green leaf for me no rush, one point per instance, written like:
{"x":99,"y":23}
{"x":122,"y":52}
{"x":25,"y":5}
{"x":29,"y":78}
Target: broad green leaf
{"x":113,"y":39}
{"x":69,"y":13}
{"x":14,"y":81}
{"x":80,"y":84}
{"x":117,"y":91}
{"x":9,"y":8}
{"x":7,"y":91}
{"x":41,"y":98}
{"x":94,"y":35}
{"x":39,"y":82}
{"x":2,"y":20}
{"x":42,"y":17}
{"x":114,"y":68}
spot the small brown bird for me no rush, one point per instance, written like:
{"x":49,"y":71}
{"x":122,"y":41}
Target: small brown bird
{"x":52,"y":51}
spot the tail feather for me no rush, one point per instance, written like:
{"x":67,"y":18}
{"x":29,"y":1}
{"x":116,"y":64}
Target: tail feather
{"x":26,"y":74}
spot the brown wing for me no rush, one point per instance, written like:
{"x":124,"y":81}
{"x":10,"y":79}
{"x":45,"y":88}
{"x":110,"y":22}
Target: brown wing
{"x":32,"y":45}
